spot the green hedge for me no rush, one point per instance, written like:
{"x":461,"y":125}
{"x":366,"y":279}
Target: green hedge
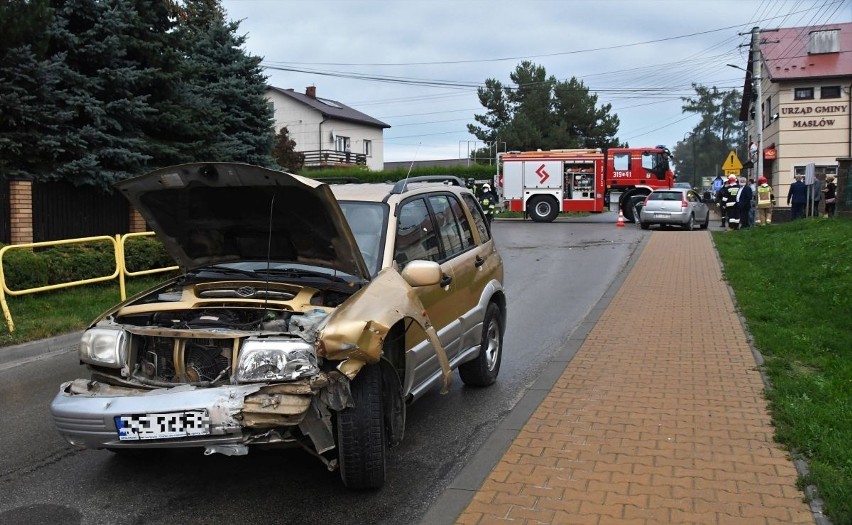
{"x":477,"y":171}
{"x":24,"y":269}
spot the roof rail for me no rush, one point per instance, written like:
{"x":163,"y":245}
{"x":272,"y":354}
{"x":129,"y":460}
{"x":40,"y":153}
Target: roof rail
{"x":450,"y":180}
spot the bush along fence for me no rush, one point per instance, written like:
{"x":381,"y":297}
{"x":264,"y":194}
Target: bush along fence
{"x":51,"y":265}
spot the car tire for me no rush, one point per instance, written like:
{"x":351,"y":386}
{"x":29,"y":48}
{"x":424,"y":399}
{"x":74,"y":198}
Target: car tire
{"x":644,"y":225}
{"x":706,"y":222}
{"x":361,"y":438}
{"x":542,"y":209}
{"x":483,"y":370}
{"x":690,"y":224}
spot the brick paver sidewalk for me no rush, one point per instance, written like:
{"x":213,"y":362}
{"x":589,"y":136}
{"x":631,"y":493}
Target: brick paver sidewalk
{"x":659,"y":418}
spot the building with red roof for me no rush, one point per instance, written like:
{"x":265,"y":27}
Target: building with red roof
{"x":805,"y":76}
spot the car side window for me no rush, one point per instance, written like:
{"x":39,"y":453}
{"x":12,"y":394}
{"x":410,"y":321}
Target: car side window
{"x":415,"y":234}
{"x":467,"y":234}
{"x":449,"y":229}
{"x":478,"y":219}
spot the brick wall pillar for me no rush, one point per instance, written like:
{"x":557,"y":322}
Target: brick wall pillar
{"x":137,"y":223}
{"x":21,"y":211}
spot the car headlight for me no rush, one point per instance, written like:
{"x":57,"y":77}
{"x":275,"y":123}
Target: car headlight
{"x":263,"y":360}
{"x":104,"y":347}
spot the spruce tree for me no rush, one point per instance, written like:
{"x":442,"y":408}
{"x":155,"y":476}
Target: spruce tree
{"x":227,"y":87}
{"x":103,"y":140}
{"x":29,"y":85}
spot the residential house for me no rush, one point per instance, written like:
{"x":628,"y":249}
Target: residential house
{"x":805,"y":76}
{"x":328,"y":132}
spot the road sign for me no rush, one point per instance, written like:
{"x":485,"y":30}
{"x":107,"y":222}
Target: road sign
{"x":732,"y":163}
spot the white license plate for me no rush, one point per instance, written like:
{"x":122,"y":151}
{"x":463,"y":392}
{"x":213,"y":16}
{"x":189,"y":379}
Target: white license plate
{"x":163,"y":426}
{"x":662,"y":215}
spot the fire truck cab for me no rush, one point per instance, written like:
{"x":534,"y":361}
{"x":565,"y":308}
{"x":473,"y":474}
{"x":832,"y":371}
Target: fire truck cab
{"x":544,"y":183}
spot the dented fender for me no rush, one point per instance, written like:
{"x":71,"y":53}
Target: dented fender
{"x":356,"y":331}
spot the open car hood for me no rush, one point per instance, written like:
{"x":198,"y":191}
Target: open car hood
{"x":210,"y":213}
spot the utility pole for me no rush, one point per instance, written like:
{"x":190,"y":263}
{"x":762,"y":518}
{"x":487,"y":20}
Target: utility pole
{"x":757,"y":79}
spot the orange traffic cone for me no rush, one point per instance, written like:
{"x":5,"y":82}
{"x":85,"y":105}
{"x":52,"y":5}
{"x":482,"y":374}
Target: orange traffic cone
{"x":620,"y":222}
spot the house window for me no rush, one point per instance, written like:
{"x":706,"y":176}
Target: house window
{"x":829,"y":92}
{"x":368,"y":148}
{"x":820,"y":172}
{"x":341,"y":143}
{"x":803,"y":93}
{"x":767,"y":114}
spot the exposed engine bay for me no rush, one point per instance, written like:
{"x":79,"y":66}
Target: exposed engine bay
{"x":193,"y":333}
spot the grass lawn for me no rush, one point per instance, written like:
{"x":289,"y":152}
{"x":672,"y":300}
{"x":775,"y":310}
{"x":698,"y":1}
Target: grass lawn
{"x":793,"y":285}
{"x":46,"y":314}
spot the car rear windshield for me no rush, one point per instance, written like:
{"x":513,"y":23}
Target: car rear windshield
{"x":666,"y":196}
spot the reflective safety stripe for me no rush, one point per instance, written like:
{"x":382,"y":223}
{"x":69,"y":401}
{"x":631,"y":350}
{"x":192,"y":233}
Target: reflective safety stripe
{"x":764,"y":196}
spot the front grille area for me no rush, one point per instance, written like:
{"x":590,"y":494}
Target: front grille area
{"x":160,"y":360}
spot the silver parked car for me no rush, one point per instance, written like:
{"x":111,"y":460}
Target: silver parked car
{"x":676,"y":206}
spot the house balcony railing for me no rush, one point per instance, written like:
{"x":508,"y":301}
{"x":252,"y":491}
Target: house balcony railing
{"x":327,"y":157}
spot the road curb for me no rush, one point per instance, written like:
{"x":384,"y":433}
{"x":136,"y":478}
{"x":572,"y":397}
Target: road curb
{"x":25,"y":352}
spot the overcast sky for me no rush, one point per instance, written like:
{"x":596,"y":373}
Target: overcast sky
{"x":416,"y":64}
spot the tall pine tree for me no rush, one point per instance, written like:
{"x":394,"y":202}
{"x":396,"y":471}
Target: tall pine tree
{"x":541,"y":112}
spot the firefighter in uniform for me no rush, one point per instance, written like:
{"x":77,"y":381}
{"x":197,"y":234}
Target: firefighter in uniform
{"x":721,"y":199}
{"x":488,"y":201}
{"x":729,"y":199}
{"x":765,"y":202}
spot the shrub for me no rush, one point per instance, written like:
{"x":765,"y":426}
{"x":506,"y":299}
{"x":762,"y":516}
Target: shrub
{"x":76,"y":262}
{"x":23,"y":269}
{"x":145,"y":253}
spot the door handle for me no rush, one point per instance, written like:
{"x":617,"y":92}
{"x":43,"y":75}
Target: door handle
{"x":445,"y":280}
{"x":479,"y":261}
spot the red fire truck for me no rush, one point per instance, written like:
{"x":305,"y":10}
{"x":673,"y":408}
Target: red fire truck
{"x":545,"y":183}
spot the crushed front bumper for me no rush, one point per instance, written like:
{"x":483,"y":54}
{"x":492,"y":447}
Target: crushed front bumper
{"x":86,"y":413}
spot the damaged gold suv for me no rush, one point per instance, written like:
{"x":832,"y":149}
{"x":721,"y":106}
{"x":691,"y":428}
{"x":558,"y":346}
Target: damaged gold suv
{"x":306,"y":315}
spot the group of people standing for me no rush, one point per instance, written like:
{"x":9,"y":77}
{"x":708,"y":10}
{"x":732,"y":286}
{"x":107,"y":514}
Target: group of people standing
{"x":805,"y":202}
{"x":742,"y":203}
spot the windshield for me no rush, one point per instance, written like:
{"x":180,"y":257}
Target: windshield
{"x":368,"y":221}
{"x":666,"y":196}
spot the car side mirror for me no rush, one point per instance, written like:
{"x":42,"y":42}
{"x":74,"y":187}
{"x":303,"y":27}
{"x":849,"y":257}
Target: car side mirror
{"x":422,"y":273}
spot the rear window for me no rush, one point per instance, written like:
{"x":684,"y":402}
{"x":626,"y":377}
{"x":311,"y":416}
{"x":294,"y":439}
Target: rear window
{"x":666,"y":196}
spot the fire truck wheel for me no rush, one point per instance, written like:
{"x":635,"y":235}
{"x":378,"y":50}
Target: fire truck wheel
{"x":630,"y":205}
{"x":542,"y":209}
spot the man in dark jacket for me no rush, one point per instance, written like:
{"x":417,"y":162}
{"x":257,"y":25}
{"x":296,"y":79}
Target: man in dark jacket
{"x":797,"y":198}
{"x":744,"y":197}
